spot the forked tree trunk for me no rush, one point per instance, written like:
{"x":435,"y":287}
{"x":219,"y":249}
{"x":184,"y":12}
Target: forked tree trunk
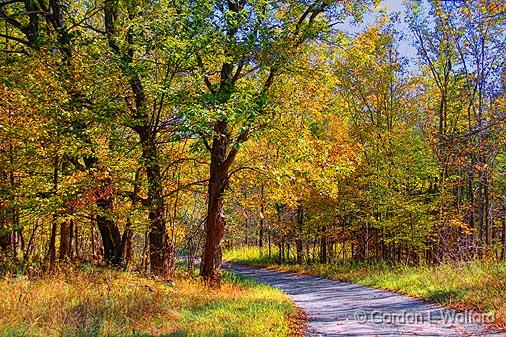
{"x":111,"y":239}
{"x":109,"y":231}
{"x":114,"y":244}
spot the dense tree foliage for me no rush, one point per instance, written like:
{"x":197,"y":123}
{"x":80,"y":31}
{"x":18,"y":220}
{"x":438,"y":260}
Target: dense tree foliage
{"x":130,"y":130}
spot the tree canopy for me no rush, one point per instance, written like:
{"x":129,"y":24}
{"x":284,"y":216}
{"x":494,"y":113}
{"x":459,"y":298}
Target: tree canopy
{"x":132,"y":130}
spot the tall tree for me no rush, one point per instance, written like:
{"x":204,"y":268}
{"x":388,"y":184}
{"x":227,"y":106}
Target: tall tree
{"x":252,"y":45}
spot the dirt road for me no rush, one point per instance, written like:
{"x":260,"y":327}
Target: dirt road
{"x":341,"y":309}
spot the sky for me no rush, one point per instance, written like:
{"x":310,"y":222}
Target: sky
{"x":406,"y":48}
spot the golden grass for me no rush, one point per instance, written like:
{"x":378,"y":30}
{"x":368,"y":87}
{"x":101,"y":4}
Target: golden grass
{"x":113,"y":303}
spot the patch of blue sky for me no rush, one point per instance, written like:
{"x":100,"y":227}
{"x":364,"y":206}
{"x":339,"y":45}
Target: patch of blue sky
{"x":391,"y":8}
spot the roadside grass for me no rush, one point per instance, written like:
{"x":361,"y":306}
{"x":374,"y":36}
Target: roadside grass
{"x":101,"y":302}
{"x":478,"y":285}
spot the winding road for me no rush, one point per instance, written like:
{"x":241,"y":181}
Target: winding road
{"x":337,"y":308}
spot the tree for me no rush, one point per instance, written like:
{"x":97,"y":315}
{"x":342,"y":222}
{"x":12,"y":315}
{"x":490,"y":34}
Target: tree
{"x":460,"y":49}
{"x":252,"y":44}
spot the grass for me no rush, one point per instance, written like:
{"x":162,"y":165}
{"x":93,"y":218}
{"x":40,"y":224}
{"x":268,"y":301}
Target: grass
{"x":479,"y":285}
{"x":101,"y":302}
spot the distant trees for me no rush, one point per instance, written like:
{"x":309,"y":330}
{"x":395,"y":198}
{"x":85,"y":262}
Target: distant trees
{"x":416,"y":194}
{"x":462,"y":53}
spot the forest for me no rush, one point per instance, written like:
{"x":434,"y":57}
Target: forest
{"x":138,"y":133}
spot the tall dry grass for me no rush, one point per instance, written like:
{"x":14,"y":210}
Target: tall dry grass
{"x":112,"y":303}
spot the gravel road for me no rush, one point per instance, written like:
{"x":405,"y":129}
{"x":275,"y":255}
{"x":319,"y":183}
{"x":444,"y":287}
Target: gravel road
{"x":337,"y":308}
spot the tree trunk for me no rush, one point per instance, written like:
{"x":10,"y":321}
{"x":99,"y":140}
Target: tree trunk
{"x":93,"y":250}
{"x":5,"y":241}
{"x":76,"y":239}
{"x":486,"y":211}
{"x":29,"y":247}
{"x":126,"y":245}
{"x":51,"y":254}
{"x":280,"y":252}
{"x":111,"y":239}
{"x":503,"y":251}
{"x":298,"y":242}
{"x":481,"y":221}
{"x":262,"y":219}
{"x":269,"y":244}
{"x":215,"y":222}
{"x":65,"y":240}
{"x":5,"y":232}
{"x":161,"y":249}
{"x":299,"y":248}
{"x":261,"y":233}
{"x":323,"y":249}
{"x":246,"y":231}
{"x":71,"y":239}
{"x":109,"y":231}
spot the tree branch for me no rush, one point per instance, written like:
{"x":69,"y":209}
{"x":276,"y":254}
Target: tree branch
{"x":208,"y":83}
{"x":17,"y":39}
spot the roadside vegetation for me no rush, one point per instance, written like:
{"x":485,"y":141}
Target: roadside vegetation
{"x":87,"y":301}
{"x":478,"y":284}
